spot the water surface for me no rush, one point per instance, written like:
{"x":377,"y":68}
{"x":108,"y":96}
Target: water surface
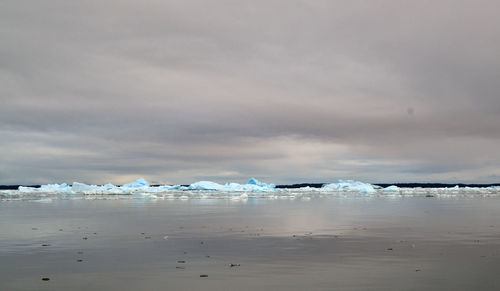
{"x":341,"y":243}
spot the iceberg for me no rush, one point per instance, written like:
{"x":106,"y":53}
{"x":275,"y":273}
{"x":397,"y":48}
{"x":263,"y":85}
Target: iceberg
{"x":254,"y":181}
{"x":252,"y":185}
{"x":81,"y":187}
{"x":350,"y":186}
{"x":139,"y":183}
{"x":23,"y":189}
{"x":58,"y":188}
{"x":94,"y":189}
{"x":391,"y":188}
{"x":205,"y":185}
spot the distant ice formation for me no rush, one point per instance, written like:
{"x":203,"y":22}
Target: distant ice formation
{"x":142,"y":185}
{"x":141,"y":189}
{"x":391,"y":189}
{"x":139,"y":183}
{"x":350,"y":186}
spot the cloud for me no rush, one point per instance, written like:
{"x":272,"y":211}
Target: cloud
{"x":290,"y":91}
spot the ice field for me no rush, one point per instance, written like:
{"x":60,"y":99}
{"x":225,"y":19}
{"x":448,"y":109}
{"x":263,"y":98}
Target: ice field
{"x":141,"y":189}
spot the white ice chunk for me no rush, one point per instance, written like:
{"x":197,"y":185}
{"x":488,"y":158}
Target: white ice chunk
{"x":252,"y":185}
{"x":205,"y":185}
{"x":254,"y":181}
{"x":57,"y":188}
{"x":23,"y":189}
{"x":350,"y":186}
{"x":81,"y":187}
{"x":139,"y":183}
{"x":391,"y":188}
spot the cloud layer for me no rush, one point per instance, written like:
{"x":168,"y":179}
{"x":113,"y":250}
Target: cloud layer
{"x":287,"y":91}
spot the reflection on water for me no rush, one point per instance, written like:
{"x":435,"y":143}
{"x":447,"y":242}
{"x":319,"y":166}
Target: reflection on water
{"x":405,"y":243}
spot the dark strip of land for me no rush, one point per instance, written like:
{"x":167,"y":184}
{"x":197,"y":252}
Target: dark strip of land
{"x":14,"y":187}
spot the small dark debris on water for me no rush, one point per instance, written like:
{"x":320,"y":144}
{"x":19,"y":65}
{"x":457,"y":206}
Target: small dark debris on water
{"x":203,"y":276}
{"x":34,"y":228}
{"x":180,"y":267}
{"x":60,"y":229}
{"x":142,"y":233}
{"x":80,"y":253}
{"x":417,"y":270}
{"x":185,"y":252}
{"x":147,"y":237}
{"x":294,"y":235}
{"x":389,"y":249}
{"x":429,"y":195}
{"x":45,"y":245}
{"x":79,"y":260}
{"x":234,"y":265}
{"x":201,"y":243}
{"x":181,"y":262}
{"x":45,"y":279}
{"x":85,"y":238}
{"x":95,"y":232}
{"x":207,"y":256}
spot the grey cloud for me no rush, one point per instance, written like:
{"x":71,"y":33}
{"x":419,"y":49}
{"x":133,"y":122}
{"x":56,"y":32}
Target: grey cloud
{"x":180,"y":90}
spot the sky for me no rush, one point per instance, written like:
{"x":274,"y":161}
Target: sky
{"x":284,"y":91}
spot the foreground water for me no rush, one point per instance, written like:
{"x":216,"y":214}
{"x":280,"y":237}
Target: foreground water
{"x":342,"y":242}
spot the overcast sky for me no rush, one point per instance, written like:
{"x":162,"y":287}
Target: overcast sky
{"x":286,"y":91}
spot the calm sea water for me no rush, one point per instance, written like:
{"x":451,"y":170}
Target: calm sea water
{"x":338,"y":243}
